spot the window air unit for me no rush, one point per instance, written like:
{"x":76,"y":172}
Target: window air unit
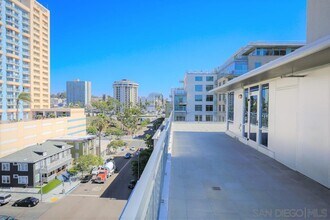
{"x":15,"y":176}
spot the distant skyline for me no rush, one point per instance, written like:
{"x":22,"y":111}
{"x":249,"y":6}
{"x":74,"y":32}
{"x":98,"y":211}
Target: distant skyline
{"x":155,"y":42}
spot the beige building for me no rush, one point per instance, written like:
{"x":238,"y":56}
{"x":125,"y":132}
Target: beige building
{"x":126,"y":92}
{"x":25,"y":57}
{"x":46,"y":124}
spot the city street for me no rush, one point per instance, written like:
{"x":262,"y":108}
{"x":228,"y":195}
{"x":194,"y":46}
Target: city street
{"x":88,"y":200}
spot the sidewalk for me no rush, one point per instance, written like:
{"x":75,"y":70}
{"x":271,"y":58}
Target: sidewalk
{"x":60,"y":191}
{"x":52,"y":196}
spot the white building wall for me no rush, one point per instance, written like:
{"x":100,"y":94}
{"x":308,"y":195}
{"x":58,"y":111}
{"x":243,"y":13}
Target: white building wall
{"x":318,"y":17}
{"x":189,"y":84}
{"x":299,"y":123}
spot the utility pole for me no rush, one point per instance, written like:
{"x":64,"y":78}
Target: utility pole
{"x":138,"y":166}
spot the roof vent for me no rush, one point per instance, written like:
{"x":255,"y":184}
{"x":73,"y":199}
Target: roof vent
{"x":41,"y":153}
{"x":60,"y":146}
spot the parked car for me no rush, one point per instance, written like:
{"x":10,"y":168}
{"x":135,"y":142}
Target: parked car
{"x":132,"y":148}
{"x":5,"y":198}
{"x":132,"y":184}
{"x":86,"y":178}
{"x":27,"y":202}
{"x":7,"y":217}
{"x":128,"y":155}
{"x":95,"y":171}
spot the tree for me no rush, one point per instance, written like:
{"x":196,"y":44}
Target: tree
{"x":149,"y":141}
{"x":115,"y":144}
{"x":130,"y":118}
{"x":107,"y":107}
{"x":24,"y":97}
{"x":139,"y":165}
{"x":145,"y":122}
{"x":85,"y":162}
{"x":91,"y":130}
{"x":100,"y":122}
{"x":115,"y":131}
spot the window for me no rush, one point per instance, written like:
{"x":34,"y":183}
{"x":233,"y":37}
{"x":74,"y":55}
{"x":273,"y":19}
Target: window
{"x":209,"y":98}
{"x":198,"y":108}
{"x":22,"y":167}
{"x":198,"y":98}
{"x":209,"y":118}
{"x":209,"y":108}
{"x":198,"y":88}
{"x":220,"y":97}
{"x":198,"y":117}
{"x":224,"y":108}
{"x":23,"y":180}
{"x":231,"y":106}
{"x":220,"y":108}
{"x":209,"y":78}
{"x":5,"y":179}
{"x":257,"y":64}
{"x":5,"y":167}
{"x":209,"y":87}
{"x":198,"y":78}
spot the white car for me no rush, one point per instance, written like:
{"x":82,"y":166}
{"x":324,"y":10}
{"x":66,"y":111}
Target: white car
{"x":4,"y":198}
{"x":95,"y":171}
{"x":132,"y":148}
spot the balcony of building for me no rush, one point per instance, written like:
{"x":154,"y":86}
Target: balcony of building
{"x":197,"y":171}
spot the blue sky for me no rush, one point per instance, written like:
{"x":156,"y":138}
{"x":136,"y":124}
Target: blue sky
{"x":154,"y":42}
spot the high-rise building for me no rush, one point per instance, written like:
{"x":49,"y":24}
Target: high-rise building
{"x":25,"y":57}
{"x":78,"y":92}
{"x":126,"y":92}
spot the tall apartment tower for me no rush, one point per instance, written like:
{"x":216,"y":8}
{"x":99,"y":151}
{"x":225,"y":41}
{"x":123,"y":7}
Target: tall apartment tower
{"x":126,"y":92}
{"x":79,"y":92}
{"x":24,"y":56}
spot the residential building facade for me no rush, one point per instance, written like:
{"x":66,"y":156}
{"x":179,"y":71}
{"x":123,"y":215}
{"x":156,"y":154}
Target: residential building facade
{"x":82,"y":145}
{"x":282,"y":108}
{"x":37,"y":164}
{"x":45,"y":124}
{"x":25,"y":57}
{"x":79,"y":93}
{"x":126,"y":92}
{"x":193,"y":102}
{"x":250,"y":57}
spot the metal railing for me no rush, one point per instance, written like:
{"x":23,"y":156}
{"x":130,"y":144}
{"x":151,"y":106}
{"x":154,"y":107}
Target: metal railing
{"x":145,"y":200}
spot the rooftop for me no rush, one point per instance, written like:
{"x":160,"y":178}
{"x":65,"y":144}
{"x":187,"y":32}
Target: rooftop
{"x":74,"y":138}
{"x":214,"y":176}
{"x":36,"y":152}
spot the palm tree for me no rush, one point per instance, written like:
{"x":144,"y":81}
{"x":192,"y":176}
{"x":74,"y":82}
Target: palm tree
{"x":24,"y":97}
{"x":100,"y":122}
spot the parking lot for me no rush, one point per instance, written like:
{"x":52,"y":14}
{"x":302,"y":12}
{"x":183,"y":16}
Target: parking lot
{"x":88,"y":200}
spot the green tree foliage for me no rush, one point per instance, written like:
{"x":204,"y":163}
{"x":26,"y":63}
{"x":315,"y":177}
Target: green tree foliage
{"x":115,"y":144}
{"x":149,"y":141}
{"x":157,"y":123}
{"x":100,"y":122}
{"x":22,"y":97}
{"x":85,"y":162}
{"x":108,"y":107}
{"x":130,"y":118}
{"x":138,"y":166}
{"x":145,"y":122}
{"x":91,"y":130}
{"x":115,"y":131}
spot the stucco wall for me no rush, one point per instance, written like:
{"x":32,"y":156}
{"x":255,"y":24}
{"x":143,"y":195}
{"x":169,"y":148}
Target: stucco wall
{"x":318,"y":17}
{"x":18,"y":135}
{"x":299,"y":123}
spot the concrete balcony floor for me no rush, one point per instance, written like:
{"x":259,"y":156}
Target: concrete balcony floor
{"x":252,"y":185}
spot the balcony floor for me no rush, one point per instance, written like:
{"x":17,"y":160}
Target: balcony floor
{"x":252,"y":185}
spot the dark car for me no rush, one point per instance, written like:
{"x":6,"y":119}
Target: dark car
{"x":132,"y":184}
{"x":128,"y":155}
{"x":27,"y":202}
{"x":86,"y":178}
{"x":6,"y":217}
